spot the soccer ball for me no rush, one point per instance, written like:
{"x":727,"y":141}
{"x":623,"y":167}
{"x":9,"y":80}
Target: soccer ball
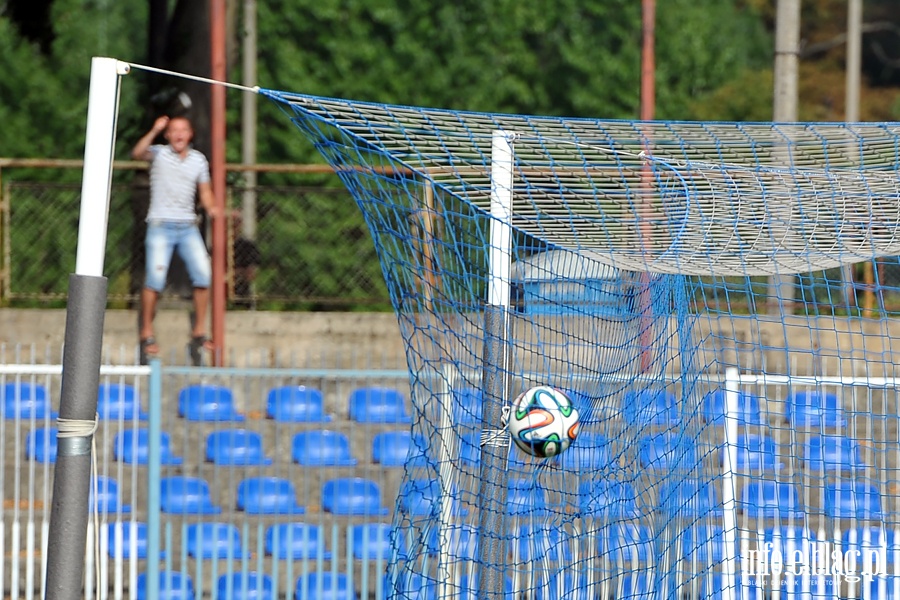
{"x":543,"y":421}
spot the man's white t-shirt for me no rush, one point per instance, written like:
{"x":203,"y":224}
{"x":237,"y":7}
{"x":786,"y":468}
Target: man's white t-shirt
{"x":173,"y":183}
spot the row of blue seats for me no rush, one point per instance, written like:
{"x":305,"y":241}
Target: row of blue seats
{"x":175,"y":585}
{"x":599,"y":498}
{"x":660,"y":407}
{"x":759,"y":498}
{"x":241,"y":447}
{"x":283,"y":541}
{"x":662,"y":451}
{"x":189,"y":495}
{"x":618,"y":543}
{"x":753,"y":452}
{"x":388,"y":405}
{"x":327,"y":585}
{"x":806,"y":408}
{"x":24,"y":400}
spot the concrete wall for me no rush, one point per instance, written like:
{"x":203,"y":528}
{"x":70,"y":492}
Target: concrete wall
{"x":252,"y":337}
{"x":814,"y":345}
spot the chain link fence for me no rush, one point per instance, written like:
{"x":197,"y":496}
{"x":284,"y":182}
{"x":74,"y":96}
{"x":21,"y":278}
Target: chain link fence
{"x":298,"y":243}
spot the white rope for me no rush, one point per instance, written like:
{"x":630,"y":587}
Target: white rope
{"x":70,"y":428}
{"x":497,"y":438}
{"x":237,"y":86}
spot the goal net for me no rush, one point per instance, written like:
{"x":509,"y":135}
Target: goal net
{"x":636,"y":267}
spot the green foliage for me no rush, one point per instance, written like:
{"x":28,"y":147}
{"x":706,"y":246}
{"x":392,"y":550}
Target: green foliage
{"x":43,"y":97}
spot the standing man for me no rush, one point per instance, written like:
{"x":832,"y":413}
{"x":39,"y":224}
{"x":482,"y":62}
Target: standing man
{"x":177,"y":174}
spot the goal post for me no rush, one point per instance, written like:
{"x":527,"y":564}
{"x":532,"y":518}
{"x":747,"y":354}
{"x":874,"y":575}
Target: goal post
{"x":496,"y":376}
{"x":85,"y":312}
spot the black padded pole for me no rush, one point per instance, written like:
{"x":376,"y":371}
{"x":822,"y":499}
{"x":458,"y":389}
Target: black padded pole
{"x":78,"y":401}
{"x":494,"y":476}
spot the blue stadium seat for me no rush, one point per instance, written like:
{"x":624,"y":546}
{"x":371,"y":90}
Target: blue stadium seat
{"x":173,"y":585}
{"x":712,"y":587}
{"x":689,"y":497}
{"x":748,"y":408}
{"x":422,"y":497}
{"x":322,"y":448}
{"x":767,"y":498}
{"x":378,"y":405}
{"x":132,"y":446}
{"x":268,"y":496}
{"x":24,"y":400}
{"x":352,"y":496}
{"x":236,"y":448}
{"x":214,"y":540}
{"x":207,"y":403}
{"x":540,"y":542}
{"x":703,"y":544}
{"x":626,"y":543}
{"x":296,"y":541}
{"x":463,"y":542}
{"x":525,"y":497}
{"x":398,"y":449}
{"x":885,"y":588}
{"x":470,"y":449}
{"x":785,"y":540}
{"x":870,"y":541}
{"x":467,"y":405}
{"x":410,"y":585}
{"x":756,"y":453}
{"x":469,"y":589}
{"x":133,"y":536}
{"x":119,"y":401}
{"x":41,"y":444}
{"x":819,"y":587}
{"x":246,"y":586}
{"x":568,"y":587}
{"x":606,"y":498}
{"x":181,"y":494}
{"x":814,"y":408}
{"x":371,"y":541}
{"x":832,"y":453}
{"x":649,"y":407}
{"x":636,"y":586}
{"x":325,"y":585}
{"x":852,"y":500}
{"x":588,"y":453}
{"x":107,"y":498}
{"x":667,"y":452}
{"x":296,"y":404}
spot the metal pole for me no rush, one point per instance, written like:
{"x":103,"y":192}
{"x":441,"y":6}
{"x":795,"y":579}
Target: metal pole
{"x":154,"y":472}
{"x":647,"y":110}
{"x":784,"y":110}
{"x":217,"y":173}
{"x":648,"y":61}
{"x":729,"y":520}
{"x":851,"y":115}
{"x":85,"y":312}
{"x":494,"y":476}
{"x":248,"y":121}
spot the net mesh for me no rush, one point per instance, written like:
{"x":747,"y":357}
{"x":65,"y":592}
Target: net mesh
{"x":640,"y":254}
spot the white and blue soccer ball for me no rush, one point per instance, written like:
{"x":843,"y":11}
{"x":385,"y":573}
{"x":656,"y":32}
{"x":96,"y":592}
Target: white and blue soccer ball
{"x":543,"y":421}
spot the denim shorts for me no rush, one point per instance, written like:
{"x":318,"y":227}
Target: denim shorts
{"x":163,"y":238}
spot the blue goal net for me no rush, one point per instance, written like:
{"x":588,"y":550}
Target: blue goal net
{"x":698,"y":290}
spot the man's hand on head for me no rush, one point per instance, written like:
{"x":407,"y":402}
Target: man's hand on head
{"x":160,"y":124}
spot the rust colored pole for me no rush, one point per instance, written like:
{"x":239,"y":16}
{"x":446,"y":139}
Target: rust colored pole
{"x":217,"y":173}
{"x":648,"y":63}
